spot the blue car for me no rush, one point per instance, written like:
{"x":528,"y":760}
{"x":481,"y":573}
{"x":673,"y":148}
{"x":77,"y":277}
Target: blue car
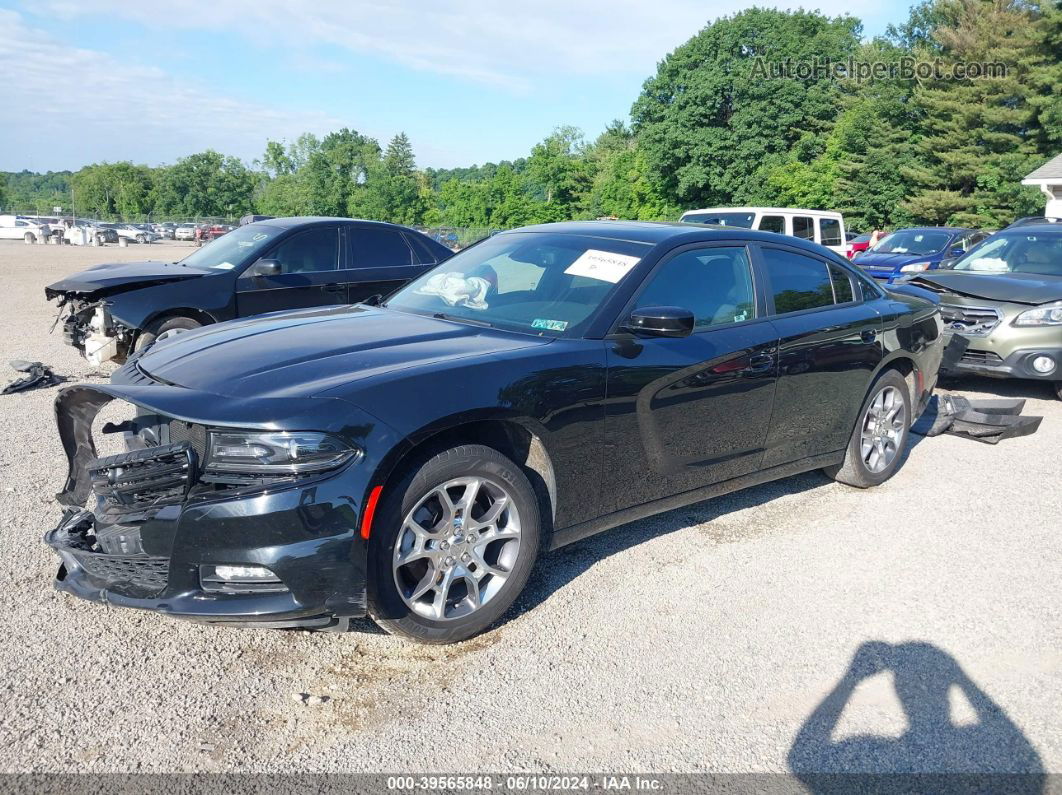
{"x":906,"y":252}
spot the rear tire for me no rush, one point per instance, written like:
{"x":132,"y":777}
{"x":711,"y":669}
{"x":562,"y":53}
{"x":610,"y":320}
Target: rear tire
{"x":879,"y":439}
{"x":165,"y":328}
{"x":466,"y":526}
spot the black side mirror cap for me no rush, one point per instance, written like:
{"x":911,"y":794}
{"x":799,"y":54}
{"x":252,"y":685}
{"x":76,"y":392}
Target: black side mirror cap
{"x":661,"y":321}
{"x":266,"y":267}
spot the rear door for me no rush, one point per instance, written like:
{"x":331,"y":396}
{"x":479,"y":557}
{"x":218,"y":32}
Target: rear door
{"x":828,"y":350}
{"x":382,"y":260}
{"x":831,"y":233}
{"x":310,"y":274}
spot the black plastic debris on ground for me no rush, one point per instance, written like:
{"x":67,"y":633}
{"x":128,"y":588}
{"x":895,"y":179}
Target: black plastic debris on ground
{"x":36,"y":375}
{"x":988,"y":421}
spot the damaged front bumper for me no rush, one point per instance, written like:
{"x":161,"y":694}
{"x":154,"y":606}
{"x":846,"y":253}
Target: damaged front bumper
{"x":156,"y":534}
{"x":91,"y":329}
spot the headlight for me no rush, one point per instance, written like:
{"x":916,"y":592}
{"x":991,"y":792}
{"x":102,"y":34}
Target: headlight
{"x":915,"y":267}
{"x":1050,"y":315}
{"x":276,"y":452}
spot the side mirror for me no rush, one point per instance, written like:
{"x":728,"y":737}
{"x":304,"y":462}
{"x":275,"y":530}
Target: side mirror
{"x":661,"y":321}
{"x":266,"y":267}
{"x":957,"y":252}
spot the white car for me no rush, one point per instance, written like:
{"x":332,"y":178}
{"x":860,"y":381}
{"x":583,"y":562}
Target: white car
{"x":824,"y":227}
{"x":14,"y":228}
{"x":135,"y":234}
{"x":184,"y":232}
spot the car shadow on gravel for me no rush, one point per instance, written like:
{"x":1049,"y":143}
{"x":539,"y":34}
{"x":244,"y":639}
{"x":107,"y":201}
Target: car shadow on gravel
{"x":560,"y":567}
{"x":956,"y":738}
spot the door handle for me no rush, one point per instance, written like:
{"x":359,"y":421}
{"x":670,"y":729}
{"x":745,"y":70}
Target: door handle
{"x":760,"y":363}
{"x":335,"y":288}
{"x":868,"y":335}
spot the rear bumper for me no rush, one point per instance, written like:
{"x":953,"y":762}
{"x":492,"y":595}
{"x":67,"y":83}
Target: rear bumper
{"x":978,"y":360}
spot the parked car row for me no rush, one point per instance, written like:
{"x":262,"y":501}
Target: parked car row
{"x":409,"y":457}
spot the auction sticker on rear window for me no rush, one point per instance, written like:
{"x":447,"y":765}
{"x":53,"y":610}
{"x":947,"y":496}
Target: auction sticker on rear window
{"x":549,"y":325}
{"x":602,"y":265}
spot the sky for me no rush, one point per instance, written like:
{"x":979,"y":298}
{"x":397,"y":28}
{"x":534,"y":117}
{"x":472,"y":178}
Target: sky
{"x":85,"y":81}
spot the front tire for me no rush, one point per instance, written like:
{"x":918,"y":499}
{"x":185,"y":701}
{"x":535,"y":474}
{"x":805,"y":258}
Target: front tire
{"x":1058,"y":389}
{"x":29,"y":238}
{"x":879,"y":439}
{"x":165,"y":328}
{"x":452,"y":545}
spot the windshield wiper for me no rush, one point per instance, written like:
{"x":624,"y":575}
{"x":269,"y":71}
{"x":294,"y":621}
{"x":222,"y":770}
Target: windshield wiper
{"x":462,"y":319}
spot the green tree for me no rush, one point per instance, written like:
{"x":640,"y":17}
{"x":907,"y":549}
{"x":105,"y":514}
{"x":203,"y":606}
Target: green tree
{"x":712,"y":115}
{"x":980,"y":135}
{"x":113,"y":190}
{"x":205,"y":184}
{"x":557,"y":172}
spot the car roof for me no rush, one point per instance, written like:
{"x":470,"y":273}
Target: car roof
{"x":305,"y":220}
{"x":762,"y":210}
{"x":936,"y":229}
{"x":1030,"y":229}
{"x":654,"y":232}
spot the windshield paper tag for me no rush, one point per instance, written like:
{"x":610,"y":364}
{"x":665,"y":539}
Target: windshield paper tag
{"x":549,"y":325}
{"x":602,"y":265}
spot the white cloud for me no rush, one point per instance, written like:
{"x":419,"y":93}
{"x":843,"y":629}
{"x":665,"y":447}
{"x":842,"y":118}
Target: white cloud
{"x":62,"y":107}
{"x":503,"y":43}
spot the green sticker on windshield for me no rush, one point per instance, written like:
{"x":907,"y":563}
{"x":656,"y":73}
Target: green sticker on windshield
{"x":549,"y":325}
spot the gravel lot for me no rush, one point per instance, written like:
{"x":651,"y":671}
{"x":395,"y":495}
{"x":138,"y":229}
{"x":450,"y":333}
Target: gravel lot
{"x":702,"y":639}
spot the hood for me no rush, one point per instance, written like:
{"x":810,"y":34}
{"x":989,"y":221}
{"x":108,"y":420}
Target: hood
{"x":305,"y":352}
{"x":877,"y":260}
{"x":1018,"y":288}
{"x":119,"y":277}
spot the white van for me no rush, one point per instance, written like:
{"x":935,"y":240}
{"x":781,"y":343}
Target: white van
{"x":825,"y":227}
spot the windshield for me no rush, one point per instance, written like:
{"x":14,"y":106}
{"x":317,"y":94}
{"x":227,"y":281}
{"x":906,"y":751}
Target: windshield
{"x":742,"y":220}
{"x":909,"y":241}
{"x":540,"y":283}
{"x":1016,"y":253}
{"x":228,"y":251}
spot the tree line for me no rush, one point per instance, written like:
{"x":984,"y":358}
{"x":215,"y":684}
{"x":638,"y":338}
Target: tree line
{"x":708,"y":129}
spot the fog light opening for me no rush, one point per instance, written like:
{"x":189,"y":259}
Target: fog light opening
{"x":1043,"y":364}
{"x":238,"y":578}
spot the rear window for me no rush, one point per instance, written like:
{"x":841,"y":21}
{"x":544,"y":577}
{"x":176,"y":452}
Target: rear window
{"x":803,"y":227}
{"x":797,"y":282}
{"x":830,"y":231}
{"x":773,"y":223}
{"x":742,"y":220}
{"x":422,"y":253}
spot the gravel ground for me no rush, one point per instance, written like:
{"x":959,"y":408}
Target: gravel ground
{"x":702,"y":639}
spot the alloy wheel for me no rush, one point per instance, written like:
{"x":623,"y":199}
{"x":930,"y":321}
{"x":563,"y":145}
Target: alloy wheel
{"x":456,"y":548}
{"x":884,"y":425}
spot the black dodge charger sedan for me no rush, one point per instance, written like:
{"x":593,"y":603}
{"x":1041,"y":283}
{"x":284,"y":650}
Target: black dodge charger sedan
{"x":410,"y":461}
{"x":282,"y":263}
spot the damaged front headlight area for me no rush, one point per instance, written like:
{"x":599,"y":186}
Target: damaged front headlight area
{"x":92,"y":329}
{"x":275,"y":453}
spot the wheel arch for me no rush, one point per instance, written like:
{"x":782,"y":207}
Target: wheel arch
{"x":906,"y":367}
{"x":520,"y":439}
{"x":161,"y":316}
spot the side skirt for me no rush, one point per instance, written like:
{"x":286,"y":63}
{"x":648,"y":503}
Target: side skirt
{"x":580,"y":531}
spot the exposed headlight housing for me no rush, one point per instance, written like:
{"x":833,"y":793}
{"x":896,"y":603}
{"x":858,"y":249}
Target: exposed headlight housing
{"x":276,"y":452}
{"x":915,"y":267}
{"x":1050,"y":315}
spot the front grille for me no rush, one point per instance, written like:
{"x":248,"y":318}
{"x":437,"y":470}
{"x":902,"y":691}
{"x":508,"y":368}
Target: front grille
{"x":981,"y":358}
{"x":144,"y":478}
{"x":143,"y":573}
{"x":194,"y":435}
{"x":972,"y":321}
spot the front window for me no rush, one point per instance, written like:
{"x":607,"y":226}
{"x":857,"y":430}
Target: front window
{"x":909,"y":241}
{"x":534,"y":282}
{"x":1020,"y":253}
{"x":741,"y":220}
{"x":229,"y":251}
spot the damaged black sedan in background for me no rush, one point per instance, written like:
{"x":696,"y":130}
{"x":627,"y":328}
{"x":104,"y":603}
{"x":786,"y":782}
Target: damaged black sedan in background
{"x":283,"y":263}
{"x":409,"y":461}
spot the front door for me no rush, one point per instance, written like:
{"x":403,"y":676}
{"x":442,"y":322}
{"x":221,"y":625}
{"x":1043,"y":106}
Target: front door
{"x":827,"y":352}
{"x":682,"y":413}
{"x":309,"y":275}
